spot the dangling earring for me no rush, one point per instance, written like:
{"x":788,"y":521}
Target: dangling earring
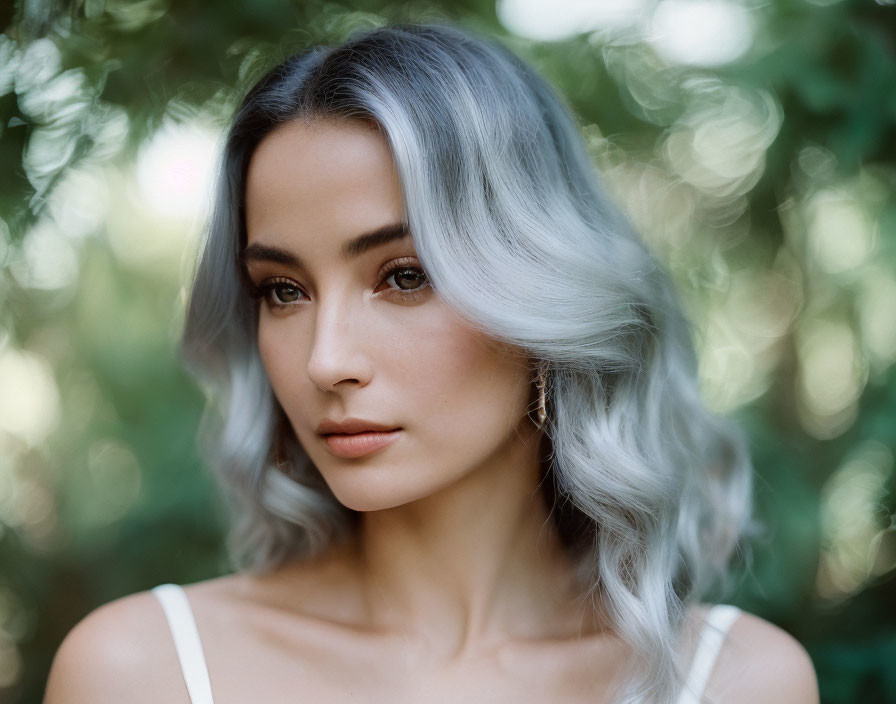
{"x":541,"y":384}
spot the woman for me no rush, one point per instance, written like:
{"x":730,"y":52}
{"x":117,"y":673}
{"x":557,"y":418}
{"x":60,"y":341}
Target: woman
{"x":459,"y":423}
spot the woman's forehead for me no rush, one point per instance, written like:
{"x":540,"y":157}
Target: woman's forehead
{"x":328,"y":146}
{"x":322,"y":176}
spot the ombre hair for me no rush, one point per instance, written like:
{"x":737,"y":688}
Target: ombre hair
{"x":650,"y":492}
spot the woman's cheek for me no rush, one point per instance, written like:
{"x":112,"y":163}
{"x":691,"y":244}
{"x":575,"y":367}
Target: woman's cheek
{"x":282,"y":360}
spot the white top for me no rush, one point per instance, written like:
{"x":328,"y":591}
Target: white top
{"x":177,"y":610}
{"x":718,"y":620}
{"x":186,"y":641}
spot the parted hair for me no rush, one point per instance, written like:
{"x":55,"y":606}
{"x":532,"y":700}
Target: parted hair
{"x":650,"y":491}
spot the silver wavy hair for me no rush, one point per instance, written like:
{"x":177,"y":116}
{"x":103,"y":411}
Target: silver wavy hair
{"x":650,"y":491}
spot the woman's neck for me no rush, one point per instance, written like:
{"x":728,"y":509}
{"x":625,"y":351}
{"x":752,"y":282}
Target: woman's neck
{"x":476,"y":564}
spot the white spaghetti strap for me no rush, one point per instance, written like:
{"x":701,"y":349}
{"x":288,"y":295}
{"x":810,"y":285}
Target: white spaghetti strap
{"x":718,"y":620}
{"x":186,"y":641}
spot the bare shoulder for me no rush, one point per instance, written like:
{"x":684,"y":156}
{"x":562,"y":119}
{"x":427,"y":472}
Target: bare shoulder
{"x":122,"y":651}
{"x":761,"y":662}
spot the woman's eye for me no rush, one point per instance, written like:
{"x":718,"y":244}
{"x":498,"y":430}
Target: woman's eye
{"x":407,"y":278}
{"x":278,"y":293}
{"x":284,"y":293}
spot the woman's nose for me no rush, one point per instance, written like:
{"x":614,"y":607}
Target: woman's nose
{"x":339,"y":347}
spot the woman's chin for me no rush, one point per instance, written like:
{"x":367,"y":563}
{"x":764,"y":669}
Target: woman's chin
{"x":379,"y":493}
{"x":363,"y":501}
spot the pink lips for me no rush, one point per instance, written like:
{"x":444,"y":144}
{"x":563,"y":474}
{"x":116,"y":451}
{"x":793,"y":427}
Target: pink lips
{"x":359,"y":444}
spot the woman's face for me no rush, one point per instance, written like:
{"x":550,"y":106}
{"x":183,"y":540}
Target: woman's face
{"x":357,"y":331}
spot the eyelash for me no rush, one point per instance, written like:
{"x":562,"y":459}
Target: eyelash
{"x":267,"y":289}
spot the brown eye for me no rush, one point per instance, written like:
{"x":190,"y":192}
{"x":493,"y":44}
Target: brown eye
{"x":408,"y":278}
{"x":278,"y":293}
{"x":284,"y":293}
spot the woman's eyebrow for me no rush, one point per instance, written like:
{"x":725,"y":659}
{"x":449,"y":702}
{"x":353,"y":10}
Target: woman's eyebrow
{"x":350,"y":250}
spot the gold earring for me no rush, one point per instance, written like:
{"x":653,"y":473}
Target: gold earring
{"x":541,"y":384}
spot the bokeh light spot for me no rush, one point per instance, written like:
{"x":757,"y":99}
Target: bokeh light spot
{"x":559,"y":19}
{"x":841,"y":234}
{"x":174,"y":170}
{"x":851,"y":517}
{"x":701,"y":32}
{"x":832,"y":374}
{"x":29,"y":404}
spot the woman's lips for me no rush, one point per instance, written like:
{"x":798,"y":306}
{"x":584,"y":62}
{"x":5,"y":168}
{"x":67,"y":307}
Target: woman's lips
{"x":359,"y":444}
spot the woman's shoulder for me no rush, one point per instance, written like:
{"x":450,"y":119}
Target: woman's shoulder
{"x":124,"y":650}
{"x":115,"y":653}
{"x":759,"y":661}
{"x":121,"y":651}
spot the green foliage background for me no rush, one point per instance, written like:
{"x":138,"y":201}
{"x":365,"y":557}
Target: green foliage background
{"x":765,"y":184}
